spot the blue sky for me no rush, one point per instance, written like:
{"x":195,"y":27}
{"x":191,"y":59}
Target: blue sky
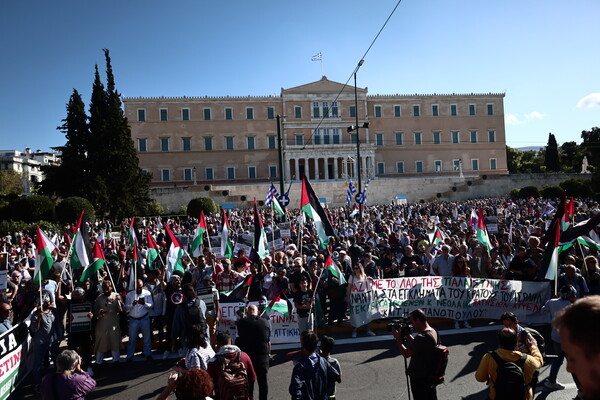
{"x":543,"y":54}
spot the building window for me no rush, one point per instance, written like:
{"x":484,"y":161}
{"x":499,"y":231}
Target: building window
{"x":379,"y":139}
{"x":228,"y":114}
{"x":207,"y":114}
{"x":166,"y":175}
{"x":475,"y":164}
{"x":435,"y":110}
{"x":186,"y":143}
{"x":456,"y":165}
{"x":437,"y":138}
{"x":418,"y":138}
{"x":397,"y":111}
{"x":208,"y":143}
{"x":471,"y":109}
{"x":251,"y":140}
{"x":317,"y":136}
{"x":353,"y":138}
{"x":297,"y":111}
{"x":316,"y":110}
{"x":141,"y":115}
{"x":299,"y":140}
{"x":437,"y":165}
{"x":251,"y":172}
{"x":164,"y":114}
{"x":185,"y":114}
{"x":453,"y":111}
{"x":164,"y":144}
{"x":325,"y":109}
{"x":209,"y":174}
{"x":187,"y":174}
{"x":416,"y":110}
{"x":271,"y":142}
{"x":399,"y":139}
{"x":145,"y":172}
{"x":491,"y":136}
{"x":455,"y":137}
{"x":419,"y":166}
{"x":230,"y":173}
{"x":270,"y":113}
{"x":473,"y":135}
{"x":336,"y":136}
{"x":353,"y":111}
{"x":493,"y":163}
{"x":142,"y":145}
{"x":380,"y":168}
{"x":490,"y":109}
{"x":272,"y":171}
{"x":335,"y":109}
{"x":249,"y":113}
{"x":229,"y":142}
{"x":377,"y":111}
{"x":400,"y":167}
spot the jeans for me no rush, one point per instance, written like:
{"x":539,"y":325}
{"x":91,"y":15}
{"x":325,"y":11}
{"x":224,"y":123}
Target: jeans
{"x":557,"y":362}
{"x":422,"y":390}
{"x":135,"y":326}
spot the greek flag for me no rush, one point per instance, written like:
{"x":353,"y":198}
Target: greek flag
{"x":548,"y":209}
{"x":317,"y":57}
{"x":351,"y":191}
{"x":363,"y":199}
{"x":270,"y":195}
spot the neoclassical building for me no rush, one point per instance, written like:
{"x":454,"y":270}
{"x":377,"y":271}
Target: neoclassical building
{"x":229,"y":139}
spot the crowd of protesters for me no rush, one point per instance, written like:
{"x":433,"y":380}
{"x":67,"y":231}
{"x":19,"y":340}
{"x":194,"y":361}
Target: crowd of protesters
{"x":393,"y":241}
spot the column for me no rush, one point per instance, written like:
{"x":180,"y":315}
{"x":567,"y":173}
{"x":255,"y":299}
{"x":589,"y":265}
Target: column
{"x":326,"y":166}
{"x":306,"y":168}
{"x":335,"y":168}
{"x":316,"y":160}
{"x":365,"y":166}
{"x":344,"y":168}
{"x":297,"y":168}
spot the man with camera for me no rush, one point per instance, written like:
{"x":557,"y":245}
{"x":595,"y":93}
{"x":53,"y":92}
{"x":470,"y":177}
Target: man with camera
{"x":420,"y":350}
{"x":70,"y":380}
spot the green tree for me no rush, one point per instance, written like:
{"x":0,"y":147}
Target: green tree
{"x":529,"y":191}
{"x":591,"y":142}
{"x":577,"y":187}
{"x":206,"y":204}
{"x":10,"y":182}
{"x":551,"y":160}
{"x":571,"y":156}
{"x":71,"y":177}
{"x":69,"y":210}
{"x":524,"y":162}
{"x":32,"y":208}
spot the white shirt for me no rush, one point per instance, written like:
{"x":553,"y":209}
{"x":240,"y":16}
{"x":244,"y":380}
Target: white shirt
{"x":138,"y":310}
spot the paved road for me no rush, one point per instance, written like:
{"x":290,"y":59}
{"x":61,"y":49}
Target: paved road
{"x":372,"y":369}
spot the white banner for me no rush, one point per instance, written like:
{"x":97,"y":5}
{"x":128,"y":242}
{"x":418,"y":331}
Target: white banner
{"x":447,"y":297}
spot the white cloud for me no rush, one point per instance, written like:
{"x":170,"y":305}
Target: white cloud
{"x":511,"y":119}
{"x":535,"y":115}
{"x":589,"y":101}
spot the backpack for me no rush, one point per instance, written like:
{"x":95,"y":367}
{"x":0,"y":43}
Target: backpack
{"x":510,"y":381}
{"x":439,"y":362}
{"x":232,"y":383}
{"x":541,"y":342}
{"x":194,"y":314}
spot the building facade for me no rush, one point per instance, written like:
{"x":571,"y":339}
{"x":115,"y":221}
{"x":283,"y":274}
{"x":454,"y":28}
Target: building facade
{"x":225,"y":140}
{"x":27,"y":164}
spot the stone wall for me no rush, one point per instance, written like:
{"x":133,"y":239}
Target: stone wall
{"x":381,"y":190}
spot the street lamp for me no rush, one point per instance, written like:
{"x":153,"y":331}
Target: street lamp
{"x":194,"y":172}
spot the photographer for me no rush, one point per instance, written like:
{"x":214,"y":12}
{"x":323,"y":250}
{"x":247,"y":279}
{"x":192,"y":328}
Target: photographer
{"x":70,"y":381}
{"x":420,"y":351}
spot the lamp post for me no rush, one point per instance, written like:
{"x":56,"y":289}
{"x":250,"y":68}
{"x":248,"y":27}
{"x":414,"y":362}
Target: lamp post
{"x":355,"y":129}
{"x":194,"y":172}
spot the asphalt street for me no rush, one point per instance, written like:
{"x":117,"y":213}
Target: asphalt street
{"x":371,"y":369}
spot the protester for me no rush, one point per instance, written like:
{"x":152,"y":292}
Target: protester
{"x":327,"y":343}
{"x":420,"y":351}
{"x":70,"y":382}
{"x":488,"y":367}
{"x":358,"y":277}
{"x":107,"y":308}
{"x":5,"y":317}
{"x":156,"y":285}
{"x":138,"y":304}
{"x":194,"y":384}
{"x":304,"y":301}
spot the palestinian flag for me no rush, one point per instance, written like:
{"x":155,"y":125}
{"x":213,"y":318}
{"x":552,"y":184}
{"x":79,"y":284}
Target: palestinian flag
{"x":226,"y":243}
{"x":588,"y":242}
{"x":153,"y":250}
{"x":260,"y":237}
{"x":174,"y":255}
{"x":277,"y":207}
{"x":334,"y":270}
{"x":196,"y":248}
{"x":553,"y":266}
{"x":133,"y":239}
{"x":481,"y":234}
{"x":95,"y":266}
{"x":568,"y":213}
{"x":78,"y":253}
{"x":239,"y":289}
{"x":438,"y":238}
{"x":44,"y":260}
{"x":283,"y":307}
{"x":309,"y":203}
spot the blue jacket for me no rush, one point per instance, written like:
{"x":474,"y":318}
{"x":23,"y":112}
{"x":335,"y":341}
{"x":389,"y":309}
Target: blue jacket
{"x":310,"y":377}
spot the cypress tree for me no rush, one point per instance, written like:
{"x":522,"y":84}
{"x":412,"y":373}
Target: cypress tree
{"x":551,"y":160}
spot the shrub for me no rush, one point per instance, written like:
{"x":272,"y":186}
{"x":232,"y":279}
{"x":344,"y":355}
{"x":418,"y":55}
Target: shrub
{"x":20,"y":226}
{"x":529,"y":191}
{"x":552,"y":192}
{"x":577,"y":187}
{"x":32,"y":208}
{"x":514,"y":194}
{"x":206,"y":204}
{"x":69,"y":210}
{"x":154,"y":208}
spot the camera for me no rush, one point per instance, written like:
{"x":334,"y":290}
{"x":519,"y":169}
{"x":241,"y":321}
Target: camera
{"x":402,"y":325}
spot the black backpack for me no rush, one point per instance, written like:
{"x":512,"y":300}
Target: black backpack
{"x":510,"y":380}
{"x":194,"y":314}
{"x":439,"y":362}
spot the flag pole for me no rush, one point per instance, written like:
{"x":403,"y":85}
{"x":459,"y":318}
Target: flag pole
{"x":40,"y":279}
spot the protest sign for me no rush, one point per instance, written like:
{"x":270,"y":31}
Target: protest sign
{"x":78,"y":317}
{"x":14,"y":350}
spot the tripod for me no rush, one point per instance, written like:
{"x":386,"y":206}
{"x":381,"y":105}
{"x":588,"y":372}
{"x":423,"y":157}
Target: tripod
{"x":407,"y":379}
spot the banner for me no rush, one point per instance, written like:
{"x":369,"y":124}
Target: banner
{"x":78,"y":317}
{"x":274,"y":240}
{"x":244,"y":242}
{"x":14,"y":350}
{"x":447,"y":297}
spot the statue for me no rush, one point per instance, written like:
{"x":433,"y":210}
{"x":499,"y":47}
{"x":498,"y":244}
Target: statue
{"x":584,"y":166}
